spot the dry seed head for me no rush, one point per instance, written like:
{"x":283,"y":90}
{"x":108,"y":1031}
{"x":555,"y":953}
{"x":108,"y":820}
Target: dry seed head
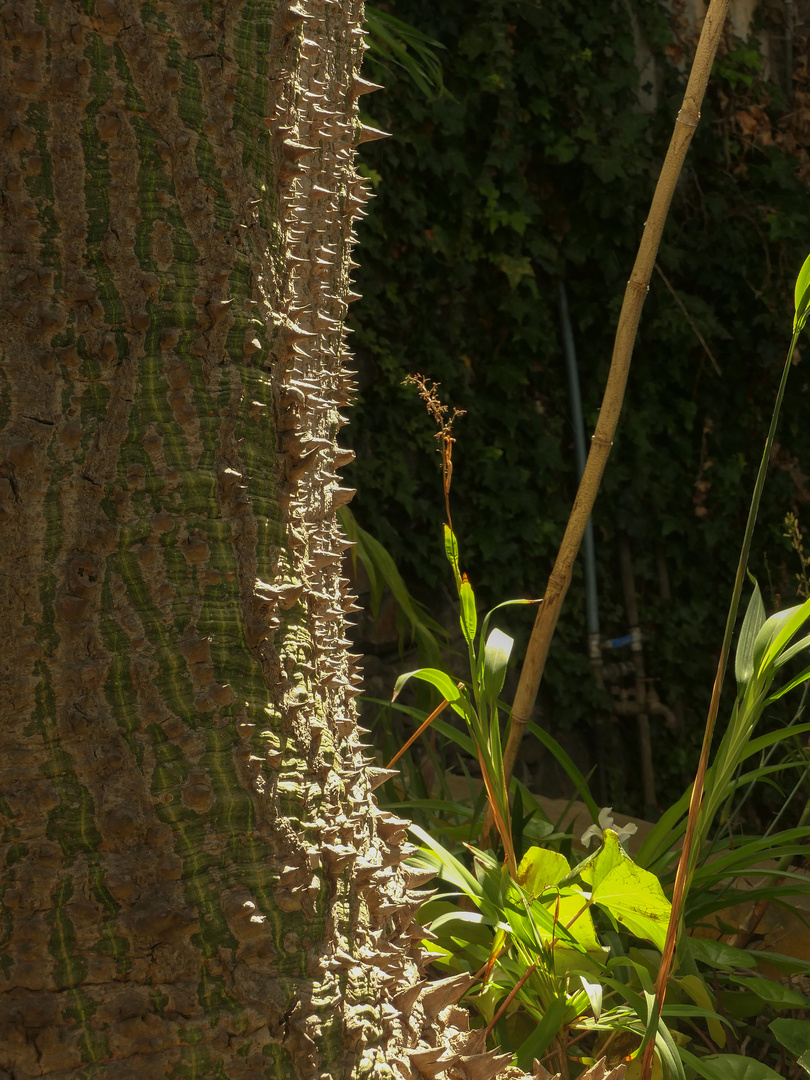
{"x":428,"y":392}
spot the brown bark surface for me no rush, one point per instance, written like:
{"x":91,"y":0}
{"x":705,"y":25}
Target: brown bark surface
{"x":196,"y":881}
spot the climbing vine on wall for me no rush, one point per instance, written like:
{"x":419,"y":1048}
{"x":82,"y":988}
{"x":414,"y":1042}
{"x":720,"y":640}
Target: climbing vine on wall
{"x":537,"y":165}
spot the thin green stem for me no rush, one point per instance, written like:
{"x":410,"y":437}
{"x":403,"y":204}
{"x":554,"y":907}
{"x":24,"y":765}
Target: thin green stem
{"x":788,"y":801}
{"x":751,"y":524}
{"x":687,"y":859}
{"x":734,"y":814}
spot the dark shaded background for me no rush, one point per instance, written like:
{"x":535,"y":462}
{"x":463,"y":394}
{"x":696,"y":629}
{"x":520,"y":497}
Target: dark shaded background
{"x":538,"y":165}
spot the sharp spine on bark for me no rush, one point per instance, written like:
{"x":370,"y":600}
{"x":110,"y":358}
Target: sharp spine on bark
{"x":294,"y":16}
{"x":450,"y":991}
{"x":371,"y":134}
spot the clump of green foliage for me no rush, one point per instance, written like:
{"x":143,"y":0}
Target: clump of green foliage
{"x":560,"y":951}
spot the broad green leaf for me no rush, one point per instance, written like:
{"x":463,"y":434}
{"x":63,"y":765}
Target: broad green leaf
{"x":727,"y":1067}
{"x":801,"y":296}
{"x":794,"y":1035}
{"x":496,"y":659}
{"x":788,"y":965}
{"x":540,"y":869}
{"x":772,"y":992}
{"x":610,"y":856}
{"x":469,"y":616}
{"x":632,"y":895}
{"x":536,"y":924}
{"x":752,"y":624}
{"x":443,"y":683}
{"x":572,"y":924}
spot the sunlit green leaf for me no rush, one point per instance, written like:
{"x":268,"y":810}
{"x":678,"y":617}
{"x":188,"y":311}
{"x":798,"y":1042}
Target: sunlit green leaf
{"x":443,"y":683}
{"x":530,"y":924}
{"x":752,"y":624}
{"x":505,"y":604}
{"x":469,"y":616}
{"x":540,"y":869}
{"x":797,"y":680}
{"x":608,"y":857}
{"x":451,"y":551}
{"x":452,"y":918}
{"x":496,"y":660}
{"x":801,"y":296}
{"x":697,"y":991}
{"x":449,"y":866}
{"x":776,"y":633}
{"x":632,"y":895}
{"x":788,"y":654}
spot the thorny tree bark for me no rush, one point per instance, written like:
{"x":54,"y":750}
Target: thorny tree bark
{"x":196,"y":881}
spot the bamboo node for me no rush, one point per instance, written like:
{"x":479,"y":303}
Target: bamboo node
{"x":639,"y":286}
{"x":686,"y":120}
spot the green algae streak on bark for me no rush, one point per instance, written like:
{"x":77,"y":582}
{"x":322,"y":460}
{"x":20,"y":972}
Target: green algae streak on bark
{"x":195,"y":879}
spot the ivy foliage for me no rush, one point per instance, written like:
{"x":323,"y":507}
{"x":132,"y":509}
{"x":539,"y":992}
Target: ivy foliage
{"x":537,"y":165}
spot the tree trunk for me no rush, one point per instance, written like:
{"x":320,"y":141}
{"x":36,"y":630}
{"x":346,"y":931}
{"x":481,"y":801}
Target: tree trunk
{"x":196,"y":882}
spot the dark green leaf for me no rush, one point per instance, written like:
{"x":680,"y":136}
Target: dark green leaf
{"x":794,"y":1035}
{"x":727,"y":1067}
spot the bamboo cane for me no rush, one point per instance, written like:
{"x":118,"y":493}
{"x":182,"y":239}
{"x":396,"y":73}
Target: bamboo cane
{"x":637,"y":288}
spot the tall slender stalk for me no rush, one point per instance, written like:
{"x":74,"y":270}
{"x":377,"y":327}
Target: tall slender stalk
{"x":686,"y":862}
{"x":637,"y":288}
